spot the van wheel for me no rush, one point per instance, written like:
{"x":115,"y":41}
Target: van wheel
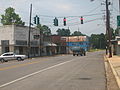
{"x":19,"y":58}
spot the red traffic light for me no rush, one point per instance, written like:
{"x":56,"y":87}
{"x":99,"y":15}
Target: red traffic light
{"x":64,"y":21}
{"x":81,"y":18}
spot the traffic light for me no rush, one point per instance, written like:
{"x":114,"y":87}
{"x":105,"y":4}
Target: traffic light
{"x":81,"y":20}
{"x":55,"y":22}
{"x":64,"y":21}
{"x":38,"y":20}
{"x":35,"y":20}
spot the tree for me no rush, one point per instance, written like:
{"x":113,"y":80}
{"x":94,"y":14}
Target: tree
{"x":112,"y":33}
{"x":77,"y":33}
{"x":98,"y":41}
{"x":44,"y":29}
{"x":63,"y":32}
{"x":117,"y":32}
{"x":10,"y":17}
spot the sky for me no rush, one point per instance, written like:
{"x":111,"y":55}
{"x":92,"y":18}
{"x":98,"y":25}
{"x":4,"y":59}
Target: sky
{"x":92,"y":12}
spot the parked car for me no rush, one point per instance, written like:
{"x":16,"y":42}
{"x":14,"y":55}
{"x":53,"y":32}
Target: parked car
{"x":10,"y":56}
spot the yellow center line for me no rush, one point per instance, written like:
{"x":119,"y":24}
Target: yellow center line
{"x":19,"y":65}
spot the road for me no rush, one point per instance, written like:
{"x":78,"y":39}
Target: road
{"x":63,"y":72}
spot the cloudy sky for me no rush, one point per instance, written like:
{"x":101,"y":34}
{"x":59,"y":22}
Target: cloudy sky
{"x":47,"y":10}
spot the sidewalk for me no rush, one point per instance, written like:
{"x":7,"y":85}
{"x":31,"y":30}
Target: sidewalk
{"x":115,"y":66}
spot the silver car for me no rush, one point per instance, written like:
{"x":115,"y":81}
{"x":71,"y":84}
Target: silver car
{"x":10,"y":56}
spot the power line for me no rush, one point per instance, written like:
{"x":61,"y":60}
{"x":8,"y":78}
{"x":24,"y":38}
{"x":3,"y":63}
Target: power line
{"x":77,"y":23}
{"x":94,"y":9}
{"x":115,"y":9}
{"x":71,"y":16}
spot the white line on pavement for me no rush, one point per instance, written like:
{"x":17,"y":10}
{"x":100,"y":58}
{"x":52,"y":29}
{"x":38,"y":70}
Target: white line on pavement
{"x":24,"y":77}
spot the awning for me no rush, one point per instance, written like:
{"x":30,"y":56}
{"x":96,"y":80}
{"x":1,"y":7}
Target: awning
{"x":49,"y":44}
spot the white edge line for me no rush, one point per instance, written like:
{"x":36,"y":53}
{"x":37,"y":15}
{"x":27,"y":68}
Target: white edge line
{"x":33,"y":74}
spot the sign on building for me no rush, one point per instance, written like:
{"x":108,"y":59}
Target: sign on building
{"x":118,"y":42}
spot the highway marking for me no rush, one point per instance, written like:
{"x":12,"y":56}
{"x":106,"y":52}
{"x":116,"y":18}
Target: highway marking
{"x":19,"y":65}
{"x":29,"y":75}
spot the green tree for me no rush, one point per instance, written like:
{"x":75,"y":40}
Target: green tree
{"x":10,"y":17}
{"x":112,"y":33}
{"x":98,"y":41}
{"x":77,"y":33}
{"x":44,"y":29}
{"x":117,"y":31}
{"x":63,"y":32}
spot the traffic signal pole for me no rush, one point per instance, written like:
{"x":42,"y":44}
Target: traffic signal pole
{"x":108,"y":29}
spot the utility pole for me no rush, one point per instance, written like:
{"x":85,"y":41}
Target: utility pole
{"x":108,"y":28}
{"x":119,"y":6}
{"x":119,"y":14}
{"x":29,"y":31}
{"x":68,"y":44}
{"x":78,"y":36}
{"x":40,"y":42}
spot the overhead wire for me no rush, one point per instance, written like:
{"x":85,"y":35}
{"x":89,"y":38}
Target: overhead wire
{"x":71,"y":16}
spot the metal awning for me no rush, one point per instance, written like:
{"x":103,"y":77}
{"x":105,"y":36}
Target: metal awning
{"x":49,"y":44}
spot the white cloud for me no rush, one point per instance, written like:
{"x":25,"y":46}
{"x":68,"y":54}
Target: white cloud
{"x":63,"y":7}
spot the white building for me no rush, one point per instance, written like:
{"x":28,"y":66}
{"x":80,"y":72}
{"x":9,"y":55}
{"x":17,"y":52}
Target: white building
{"x":15,"y":39}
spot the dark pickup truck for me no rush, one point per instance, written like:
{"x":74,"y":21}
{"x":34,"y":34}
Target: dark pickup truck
{"x":78,"y":51}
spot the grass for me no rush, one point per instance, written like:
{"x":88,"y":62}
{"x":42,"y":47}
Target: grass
{"x":93,"y":50}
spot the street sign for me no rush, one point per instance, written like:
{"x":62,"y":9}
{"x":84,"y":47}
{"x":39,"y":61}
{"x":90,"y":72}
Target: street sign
{"x":118,"y":21}
{"x":118,"y":42}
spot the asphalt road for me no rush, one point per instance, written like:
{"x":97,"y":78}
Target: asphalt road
{"x":63,"y":72}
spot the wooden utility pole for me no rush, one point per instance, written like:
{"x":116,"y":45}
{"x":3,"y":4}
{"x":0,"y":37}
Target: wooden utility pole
{"x":29,"y":31}
{"x":108,"y":28}
{"x":119,"y":6}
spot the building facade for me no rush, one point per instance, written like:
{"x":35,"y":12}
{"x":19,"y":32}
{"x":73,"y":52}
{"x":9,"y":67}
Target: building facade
{"x":15,"y":39}
{"x":61,"y":44}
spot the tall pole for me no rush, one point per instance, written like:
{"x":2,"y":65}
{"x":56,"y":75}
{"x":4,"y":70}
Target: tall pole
{"x":68,"y":43}
{"x":29,"y":31}
{"x":78,"y":36}
{"x":119,"y":6}
{"x":108,"y":28}
{"x":40,"y":42}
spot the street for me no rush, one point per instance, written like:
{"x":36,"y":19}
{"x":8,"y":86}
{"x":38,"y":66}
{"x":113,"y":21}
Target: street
{"x":62,"y":72}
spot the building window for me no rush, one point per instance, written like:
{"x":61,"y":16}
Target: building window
{"x":19,"y":42}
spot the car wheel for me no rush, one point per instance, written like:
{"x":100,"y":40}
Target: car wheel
{"x":2,"y":60}
{"x":19,"y":58}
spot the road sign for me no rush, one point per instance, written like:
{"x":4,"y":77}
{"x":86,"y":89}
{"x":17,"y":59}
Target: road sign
{"x":118,"y":21}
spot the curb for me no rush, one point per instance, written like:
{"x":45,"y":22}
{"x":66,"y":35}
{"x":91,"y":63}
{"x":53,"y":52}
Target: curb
{"x":114,"y":72}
